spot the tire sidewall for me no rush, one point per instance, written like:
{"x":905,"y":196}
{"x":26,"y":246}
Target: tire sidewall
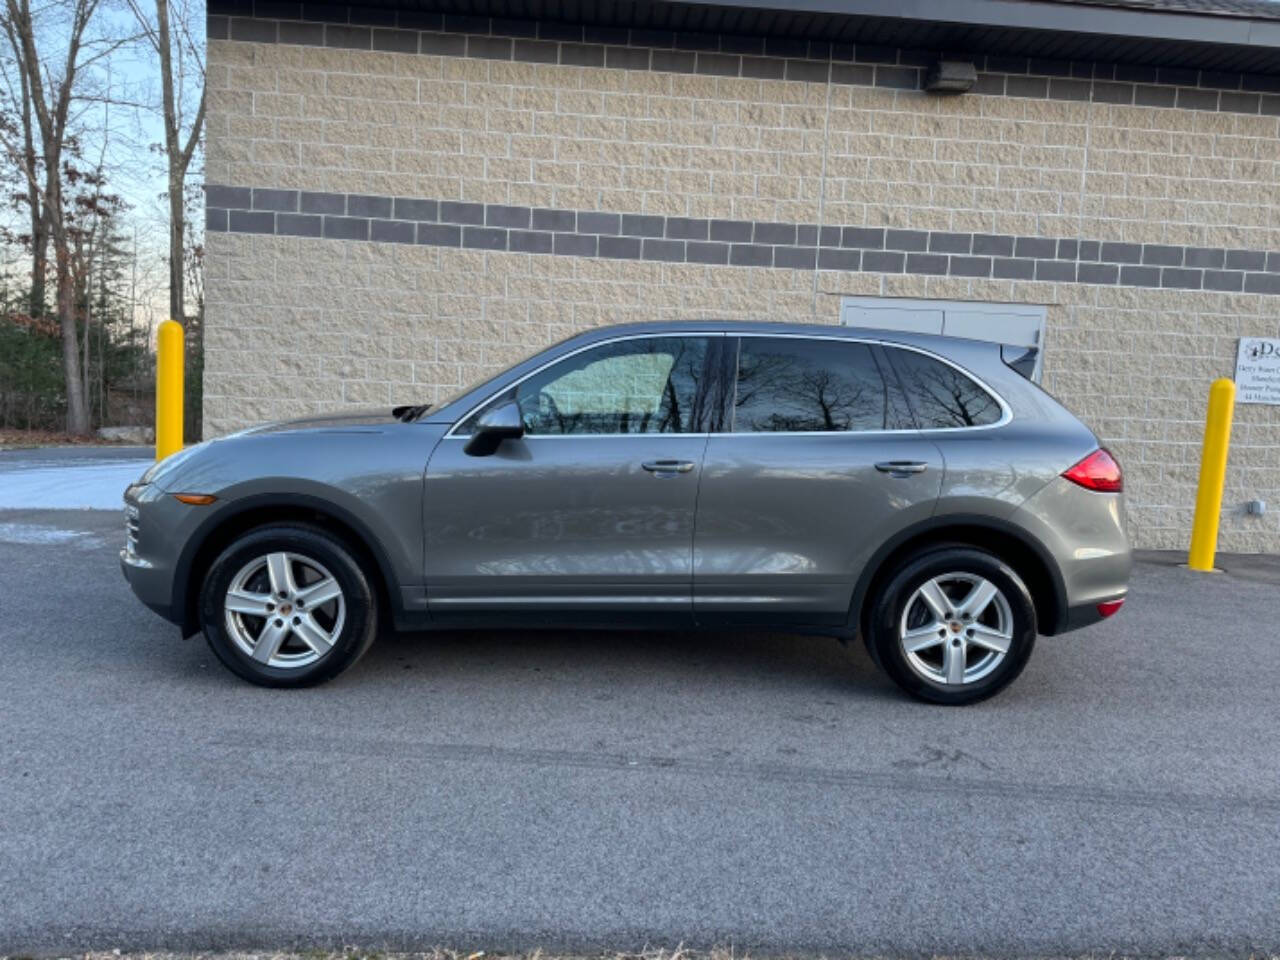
{"x":307,"y":542}
{"x":887,"y":614}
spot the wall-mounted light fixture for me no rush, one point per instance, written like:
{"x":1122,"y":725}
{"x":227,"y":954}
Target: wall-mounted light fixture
{"x":951,"y":76}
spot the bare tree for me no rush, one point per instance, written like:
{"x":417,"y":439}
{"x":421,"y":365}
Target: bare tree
{"x":179,"y":53}
{"x":39,"y":237}
{"x":50,"y":96}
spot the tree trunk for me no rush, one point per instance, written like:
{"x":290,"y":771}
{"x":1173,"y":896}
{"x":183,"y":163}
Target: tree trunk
{"x":178,"y":156}
{"x":177,"y":231}
{"x":39,"y":227}
{"x":39,"y":257}
{"x":77,"y":411}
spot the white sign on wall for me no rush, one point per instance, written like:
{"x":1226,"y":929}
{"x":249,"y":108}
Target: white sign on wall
{"x":1258,"y":370}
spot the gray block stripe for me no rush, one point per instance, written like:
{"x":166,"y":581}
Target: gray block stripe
{"x":792,"y":246}
{"x":728,"y":55}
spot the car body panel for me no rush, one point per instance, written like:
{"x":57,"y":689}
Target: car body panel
{"x":995,"y":472}
{"x":786,"y":521}
{"x":1084,"y":530}
{"x":567,"y":521}
{"x":369,"y":477}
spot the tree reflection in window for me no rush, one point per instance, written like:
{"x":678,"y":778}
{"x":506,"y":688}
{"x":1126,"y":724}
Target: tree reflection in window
{"x":940,"y":395}
{"x":632,"y":386}
{"x":798,"y":385}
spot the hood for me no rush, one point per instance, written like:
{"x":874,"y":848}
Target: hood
{"x":371,"y":420}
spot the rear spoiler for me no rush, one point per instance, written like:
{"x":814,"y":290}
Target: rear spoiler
{"x":1021,"y":359}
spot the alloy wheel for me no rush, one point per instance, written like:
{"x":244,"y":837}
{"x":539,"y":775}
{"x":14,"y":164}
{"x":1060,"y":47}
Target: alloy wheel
{"x":956,"y":629}
{"x":284,"y":610}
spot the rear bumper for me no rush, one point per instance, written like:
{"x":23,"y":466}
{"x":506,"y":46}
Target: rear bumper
{"x":1083,"y":615}
{"x":1084,"y":532}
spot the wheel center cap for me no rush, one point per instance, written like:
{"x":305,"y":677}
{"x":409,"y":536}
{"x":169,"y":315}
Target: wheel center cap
{"x":955,"y":626}
{"x":286,"y":608}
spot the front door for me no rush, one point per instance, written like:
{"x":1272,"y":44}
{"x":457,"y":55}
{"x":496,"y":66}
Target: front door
{"x":593,"y":509}
{"x":820,"y":466}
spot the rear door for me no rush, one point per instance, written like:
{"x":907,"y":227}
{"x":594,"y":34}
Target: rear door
{"x":820,"y":466}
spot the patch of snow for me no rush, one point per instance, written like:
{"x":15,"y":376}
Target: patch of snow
{"x":77,"y":485}
{"x":34,"y":533}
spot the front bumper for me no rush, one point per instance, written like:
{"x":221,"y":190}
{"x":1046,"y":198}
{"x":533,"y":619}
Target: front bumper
{"x":147,"y":585}
{"x":148,"y":559}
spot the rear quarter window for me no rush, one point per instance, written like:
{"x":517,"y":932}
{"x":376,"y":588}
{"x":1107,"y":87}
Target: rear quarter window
{"x":941,"y":396}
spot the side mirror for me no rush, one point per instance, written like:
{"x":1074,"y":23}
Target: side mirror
{"x":503,"y":422}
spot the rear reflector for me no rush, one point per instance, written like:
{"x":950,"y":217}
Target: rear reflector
{"x":1110,"y":607}
{"x":1098,"y":471}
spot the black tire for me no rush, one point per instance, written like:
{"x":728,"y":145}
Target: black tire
{"x":352,"y":637}
{"x":889,"y":607}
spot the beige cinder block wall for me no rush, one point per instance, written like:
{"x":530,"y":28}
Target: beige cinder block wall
{"x":313,"y":139}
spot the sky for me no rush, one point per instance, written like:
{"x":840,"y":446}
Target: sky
{"x":132,"y":74}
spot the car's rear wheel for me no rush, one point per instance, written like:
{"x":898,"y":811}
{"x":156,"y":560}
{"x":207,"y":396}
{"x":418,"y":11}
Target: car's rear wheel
{"x":287,"y":606}
{"x":952,"y":625}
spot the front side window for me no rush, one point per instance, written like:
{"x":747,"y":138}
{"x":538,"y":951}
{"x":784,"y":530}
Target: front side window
{"x":941,"y":396}
{"x":647,"y":385}
{"x":790,"y":384}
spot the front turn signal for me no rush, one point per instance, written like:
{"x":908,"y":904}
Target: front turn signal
{"x":195,"y":499}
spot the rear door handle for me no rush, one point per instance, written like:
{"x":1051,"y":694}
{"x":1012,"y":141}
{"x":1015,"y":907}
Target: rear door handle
{"x":901,"y":468}
{"x":667,"y":467}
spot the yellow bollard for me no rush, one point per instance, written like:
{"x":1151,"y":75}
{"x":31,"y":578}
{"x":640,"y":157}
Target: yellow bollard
{"x":1213,"y":471}
{"x":169,"y":359}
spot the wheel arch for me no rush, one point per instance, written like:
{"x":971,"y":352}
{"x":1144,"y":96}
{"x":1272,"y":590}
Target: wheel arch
{"x":212,"y":537}
{"x":1006,"y":540}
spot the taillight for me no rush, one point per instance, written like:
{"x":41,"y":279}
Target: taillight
{"x":1098,"y":471}
{"x":1108,"y":607}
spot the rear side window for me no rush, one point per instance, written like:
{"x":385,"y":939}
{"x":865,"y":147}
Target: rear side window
{"x":941,"y":396}
{"x":794,"y":385}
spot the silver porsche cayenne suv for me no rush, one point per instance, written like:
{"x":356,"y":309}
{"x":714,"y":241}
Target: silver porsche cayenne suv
{"x":918,"y":491}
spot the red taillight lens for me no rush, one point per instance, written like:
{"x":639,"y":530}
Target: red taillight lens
{"x":1098,"y":471}
{"x":1109,"y":607}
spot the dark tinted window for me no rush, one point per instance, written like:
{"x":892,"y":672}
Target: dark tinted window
{"x":645,"y":385}
{"x":940,"y":395}
{"x":791,"y":384}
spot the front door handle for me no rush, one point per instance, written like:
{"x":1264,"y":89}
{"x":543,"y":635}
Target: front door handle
{"x":901,"y":468}
{"x":665,"y":468}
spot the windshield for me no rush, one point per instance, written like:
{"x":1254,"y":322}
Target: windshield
{"x":490,"y":378}
{"x":463,"y":391}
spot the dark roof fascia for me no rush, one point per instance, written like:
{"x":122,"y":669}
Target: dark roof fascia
{"x":1161,"y":25}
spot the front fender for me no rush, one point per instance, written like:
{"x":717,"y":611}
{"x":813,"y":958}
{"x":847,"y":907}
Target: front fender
{"x":368,"y":481}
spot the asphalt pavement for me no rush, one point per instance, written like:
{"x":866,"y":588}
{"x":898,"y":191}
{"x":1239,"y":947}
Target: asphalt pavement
{"x":586,"y":790}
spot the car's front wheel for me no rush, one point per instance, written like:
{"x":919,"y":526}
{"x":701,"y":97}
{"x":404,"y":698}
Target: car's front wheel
{"x":952,"y":625}
{"x":287,"y":606}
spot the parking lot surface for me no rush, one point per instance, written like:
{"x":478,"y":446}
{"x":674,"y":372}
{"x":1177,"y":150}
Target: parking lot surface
{"x":583,"y":790}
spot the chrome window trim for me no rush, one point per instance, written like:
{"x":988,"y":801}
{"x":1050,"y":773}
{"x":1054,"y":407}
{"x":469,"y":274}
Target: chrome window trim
{"x":1006,"y":412}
